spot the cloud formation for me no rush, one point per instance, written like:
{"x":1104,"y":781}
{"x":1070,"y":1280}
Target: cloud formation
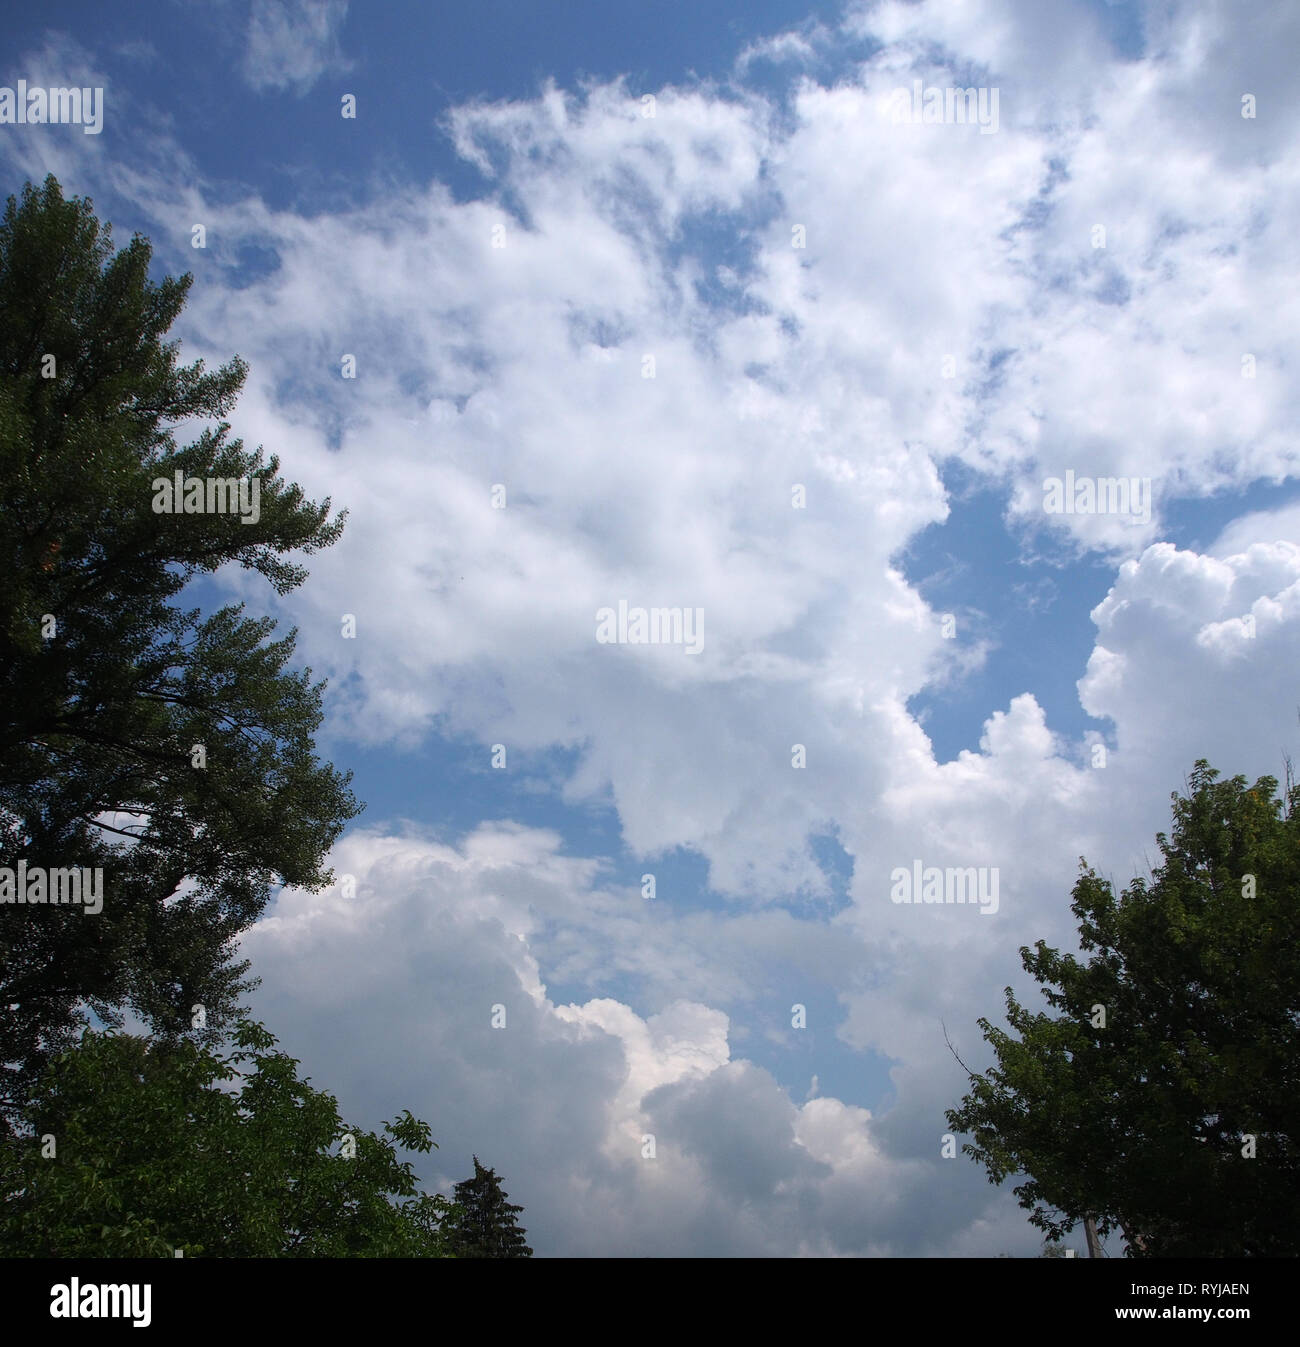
{"x":726,"y":356}
{"x":292,"y":43}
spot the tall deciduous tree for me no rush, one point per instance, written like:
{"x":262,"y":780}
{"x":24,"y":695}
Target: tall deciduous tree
{"x":1163,"y":1096}
{"x":483,"y":1223}
{"x":172,"y":750}
{"x":142,"y":1148}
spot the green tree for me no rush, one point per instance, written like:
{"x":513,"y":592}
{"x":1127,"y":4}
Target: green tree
{"x":483,"y":1224}
{"x":143,"y":1147}
{"x":1164,"y":1096}
{"x":106,"y":685}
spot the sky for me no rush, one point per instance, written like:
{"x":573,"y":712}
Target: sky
{"x":689,"y":306}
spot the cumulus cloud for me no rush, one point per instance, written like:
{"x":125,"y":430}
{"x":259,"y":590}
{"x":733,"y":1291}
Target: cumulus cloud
{"x":834,"y":309}
{"x":1187,"y":640}
{"x":620,"y":1134}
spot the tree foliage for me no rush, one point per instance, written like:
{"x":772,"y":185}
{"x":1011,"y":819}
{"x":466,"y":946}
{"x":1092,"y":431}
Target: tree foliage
{"x":1145,"y":1115}
{"x":106,"y":683}
{"x":163,"y":1145}
{"x":484,"y":1224}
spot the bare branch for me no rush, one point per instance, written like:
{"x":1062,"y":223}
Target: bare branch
{"x":953,"y":1050}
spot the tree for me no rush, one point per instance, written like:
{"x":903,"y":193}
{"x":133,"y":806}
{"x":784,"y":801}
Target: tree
{"x":483,"y":1224}
{"x":170,"y":751}
{"x":1164,"y":1099}
{"x":143,"y":1147}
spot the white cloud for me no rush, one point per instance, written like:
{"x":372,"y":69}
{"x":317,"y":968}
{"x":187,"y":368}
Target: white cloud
{"x":825,"y":370}
{"x":1262,"y":526}
{"x":794,"y":47}
{"x":1199,"y":649}
{"x":292,"y":43}
{"x":395,"y":990}
{"x":820,"y":366}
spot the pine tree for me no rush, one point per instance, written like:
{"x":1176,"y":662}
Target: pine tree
{"x":170,"y":751}
{"x":483,"y":1224}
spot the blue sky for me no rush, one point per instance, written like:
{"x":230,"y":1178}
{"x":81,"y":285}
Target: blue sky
{"x":945,"y":334}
